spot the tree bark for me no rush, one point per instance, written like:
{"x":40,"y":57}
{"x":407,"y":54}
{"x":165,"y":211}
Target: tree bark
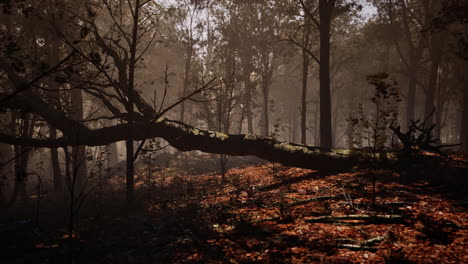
{"x":325,"y":9}
{"x":186,"y":138}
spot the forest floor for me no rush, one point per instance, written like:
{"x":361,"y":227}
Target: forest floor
{"x":264,"y":213}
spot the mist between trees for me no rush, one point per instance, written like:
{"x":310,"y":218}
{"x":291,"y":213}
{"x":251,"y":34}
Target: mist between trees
{"x":273,"y":78}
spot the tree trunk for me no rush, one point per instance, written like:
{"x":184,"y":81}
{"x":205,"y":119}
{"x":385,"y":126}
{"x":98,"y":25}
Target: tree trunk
{"x":411,"y":99}
{"x":112,"y":152}
{"x":248,"y":106}
{"x":464,"y":126}
{"x":78,"y":152}
{"x":6,"y":154}
{"x":188,"y":64}
{"x":436,"y":56}
{"x":325,"y":10}
{"x":58,"y":179}
{"x":53,"y":96}
{"x":130,"y":172}
{"x":266,"y":92}
{"x":305,"y":76}
{"x":22,"y":154}
{"x":131,"y":99}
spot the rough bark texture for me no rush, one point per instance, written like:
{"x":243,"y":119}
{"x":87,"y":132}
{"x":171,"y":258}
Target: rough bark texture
{"x":185,"y":138}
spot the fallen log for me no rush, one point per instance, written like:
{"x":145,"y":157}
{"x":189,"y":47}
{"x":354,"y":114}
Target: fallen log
{"x":179,"y":135}
{"x":366,"y":218}
{"x":360,"y":245}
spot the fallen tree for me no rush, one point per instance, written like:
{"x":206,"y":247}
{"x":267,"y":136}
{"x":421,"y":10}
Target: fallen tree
{"x":185,"y":138}
{"x":179,"y":135}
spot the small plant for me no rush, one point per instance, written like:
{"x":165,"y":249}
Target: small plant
{"x":375,"y":124}
{"x":147,"y":153}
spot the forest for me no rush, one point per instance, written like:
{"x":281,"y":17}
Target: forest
{"x":233,"y":131}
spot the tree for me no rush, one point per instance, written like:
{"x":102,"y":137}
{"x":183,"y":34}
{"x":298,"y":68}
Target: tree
{"x":410,"y":19}
{"x":306,"y":44}
{"x":130,"y":31}
{"x":191,"y":27}
{"x":452,"y":19}
{"x":327,"y":11}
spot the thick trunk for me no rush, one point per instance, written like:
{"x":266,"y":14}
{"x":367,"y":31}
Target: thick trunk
{"x":326,"y":140}
{"x":186,"y":138}
{"x":132,"y":95}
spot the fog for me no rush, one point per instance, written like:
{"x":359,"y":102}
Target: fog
{"x":95,"y":94}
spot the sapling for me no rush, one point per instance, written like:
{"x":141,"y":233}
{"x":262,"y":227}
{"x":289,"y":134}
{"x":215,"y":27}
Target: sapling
{"x":375,"y":123}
